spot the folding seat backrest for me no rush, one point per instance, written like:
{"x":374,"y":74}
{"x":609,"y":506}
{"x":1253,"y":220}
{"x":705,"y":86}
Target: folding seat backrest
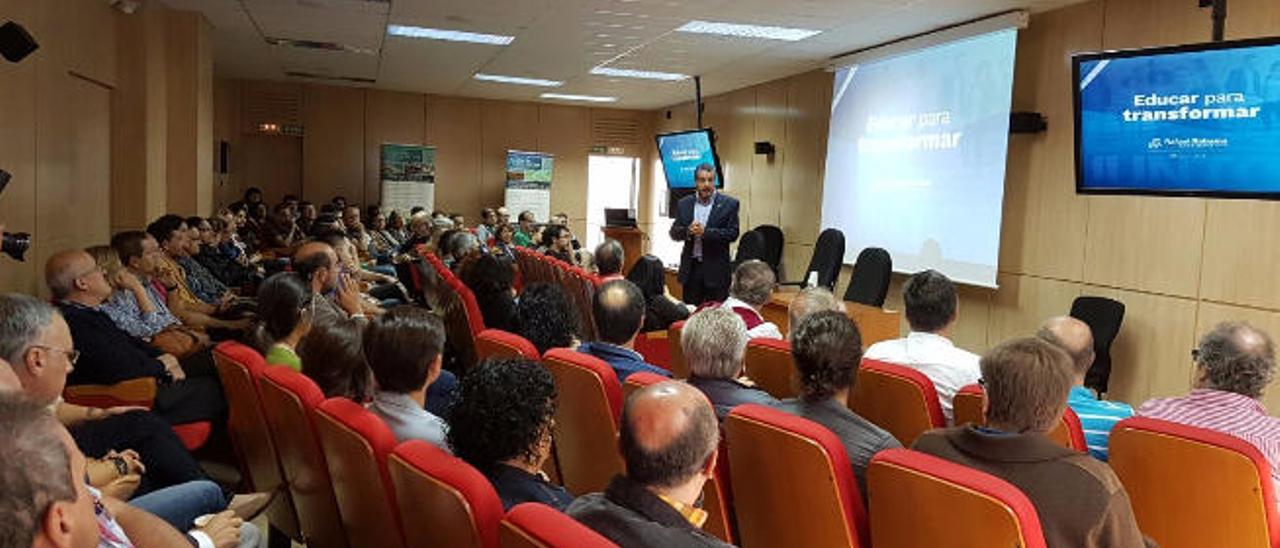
{"x":356,"y":444}
{"x":443,"y":500}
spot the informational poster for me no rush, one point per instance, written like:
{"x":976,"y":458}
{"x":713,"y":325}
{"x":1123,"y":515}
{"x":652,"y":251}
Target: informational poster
{"x":529,"y":183}
{"x":408,"y":174}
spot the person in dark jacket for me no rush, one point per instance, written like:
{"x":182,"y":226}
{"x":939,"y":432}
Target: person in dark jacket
{"x":707,"y":222}
{"x":618,"y":310}
{"x":668,"y":440}
{"x":490,"y":279}
{"x":714,"y":343}
{"x":108,"y":355}
{"x":660,"y":310}
{"x":501,"y":424}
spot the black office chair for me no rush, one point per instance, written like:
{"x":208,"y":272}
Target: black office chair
{"x":750,"y":246}
{"x":1104,"y":317}
{"x":773,"y":242}
{"x":828,"y":255}
{"x":870,"y":282}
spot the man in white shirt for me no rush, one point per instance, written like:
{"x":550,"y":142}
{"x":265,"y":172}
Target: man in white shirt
{"x":930,"y":301}
{"x":753,"y":285}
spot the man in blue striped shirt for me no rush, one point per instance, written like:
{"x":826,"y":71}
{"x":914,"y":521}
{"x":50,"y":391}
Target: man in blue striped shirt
{"x":1097,"y":417}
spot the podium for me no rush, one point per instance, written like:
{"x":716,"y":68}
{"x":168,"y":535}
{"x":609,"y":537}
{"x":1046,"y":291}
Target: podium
{"x":632,"y":240}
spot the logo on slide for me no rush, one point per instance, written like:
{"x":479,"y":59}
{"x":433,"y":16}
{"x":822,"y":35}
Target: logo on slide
{"x":1155,"y":144}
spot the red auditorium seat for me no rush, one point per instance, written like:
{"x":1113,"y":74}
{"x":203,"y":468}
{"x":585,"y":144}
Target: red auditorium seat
{"x":289,"y":401}
{"x":967,"y":406}
{"x":768,"y":363}
{"x":533,"y":525}
{"x":443,"y":498}
{"x":1192,"y":487}
{"x":356,"y":444}
{"x":921,"y":500}
{"x":462,"y":320}
{"x":142,"y":393}
{"x":653,"y":346}
{"x":586,"y":420}
{"x":496,"y":343}
{"x":679,"y":369}
{"x":636,"y":381}
{"x":240,"y":367}
{"x":786,"y":470}
{"x":898,"y":399}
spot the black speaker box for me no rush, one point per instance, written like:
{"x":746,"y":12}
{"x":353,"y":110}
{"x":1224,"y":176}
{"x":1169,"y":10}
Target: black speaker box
{"x":15,"y":42}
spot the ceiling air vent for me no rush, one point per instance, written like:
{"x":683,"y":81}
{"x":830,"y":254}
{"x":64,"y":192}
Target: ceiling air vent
{"x":316,"y":44}
{"x":345,"y":79}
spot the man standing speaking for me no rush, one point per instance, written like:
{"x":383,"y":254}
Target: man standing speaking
{"x":707,"y":222}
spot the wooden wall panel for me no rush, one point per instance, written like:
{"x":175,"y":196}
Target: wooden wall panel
{"x":1241,"y":259}
{"x":454,"y":127}
{"x":1023,"y":302}
{"x":390,"y":117}
{"x":273,"y":164}
{"x":766,"y":172}
{"x":1151,"y":356}
{"x":565,"y":132}
{"x":18,"y":150}
{"x":807,"y":119}
{"x":507,"y":126}
{"x":1137,"y":242}
{"x":1212,"y":314}
{"x":333,"y":148}
{"x":189,"y":105}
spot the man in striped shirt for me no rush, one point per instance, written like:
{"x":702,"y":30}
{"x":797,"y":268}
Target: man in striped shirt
{"x":1234,"y":363}
{"x":1097,"y":417}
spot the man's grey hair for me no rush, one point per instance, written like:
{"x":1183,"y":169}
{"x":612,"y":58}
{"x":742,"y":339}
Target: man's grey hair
{"x":810,"y":300}
{"x":714,"y":342}
{"x":1236,"y":357}
{"x":36,"y":472}
{"x":22,"y":319}
{"x":609,"y":257}
{"x":753,"y":282}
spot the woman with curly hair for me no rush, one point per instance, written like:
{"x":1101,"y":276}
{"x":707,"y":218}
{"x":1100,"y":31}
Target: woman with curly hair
{"x":545,"y":318}
{"x":490,"y":278}
{"x":501,"y":424}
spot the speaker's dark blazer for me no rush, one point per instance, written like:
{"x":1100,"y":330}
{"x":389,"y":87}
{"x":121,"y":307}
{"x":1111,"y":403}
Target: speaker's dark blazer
{"x":721,"y":230}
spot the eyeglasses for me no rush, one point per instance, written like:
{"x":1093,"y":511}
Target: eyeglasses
{"x":1195,"y":354}
{"x":72,"y":355}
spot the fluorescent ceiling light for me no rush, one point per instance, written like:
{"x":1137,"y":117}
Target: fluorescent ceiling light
{"x":451,"y":35}
{"x":518,"y":80}
{"x":646,"y":74}
{"x":587,"y":98}
{"x":748,"y":31}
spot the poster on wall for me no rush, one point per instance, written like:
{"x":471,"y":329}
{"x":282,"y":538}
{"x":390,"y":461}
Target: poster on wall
{"x":529,"y":183}
{"x":408,"y":174}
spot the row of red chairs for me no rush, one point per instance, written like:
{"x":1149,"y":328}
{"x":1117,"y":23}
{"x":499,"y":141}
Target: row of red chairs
{"x":578,"y":284}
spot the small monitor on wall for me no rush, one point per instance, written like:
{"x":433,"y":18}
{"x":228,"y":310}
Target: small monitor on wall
{"x":683,"y":152}
{"x":1192,"y":120}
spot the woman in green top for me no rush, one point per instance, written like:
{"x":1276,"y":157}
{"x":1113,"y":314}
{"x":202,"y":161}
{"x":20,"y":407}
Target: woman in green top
{"x":284,"y":318}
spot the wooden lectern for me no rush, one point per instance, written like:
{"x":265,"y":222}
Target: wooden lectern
{"x":632,"y":240}
{"x":874,"y":324}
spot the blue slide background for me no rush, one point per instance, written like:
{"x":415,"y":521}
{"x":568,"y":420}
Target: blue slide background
{"x":680,"y":172}
{"x":939,"y":208}
{"x":1120,"y":155}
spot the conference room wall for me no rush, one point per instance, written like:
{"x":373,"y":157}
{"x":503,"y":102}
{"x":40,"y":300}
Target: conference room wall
{"x":1180,"y":265}
{"x":345,"y":128}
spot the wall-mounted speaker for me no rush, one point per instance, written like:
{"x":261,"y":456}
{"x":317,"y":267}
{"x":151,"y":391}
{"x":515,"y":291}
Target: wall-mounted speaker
{"x":15,"y":42}
{"x":1027,"y":122}
{"x":765,"y":147}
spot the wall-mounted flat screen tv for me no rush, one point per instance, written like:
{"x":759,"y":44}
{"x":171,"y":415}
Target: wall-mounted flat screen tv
{"x":1193,"y":120}
{"x":683,"y":152}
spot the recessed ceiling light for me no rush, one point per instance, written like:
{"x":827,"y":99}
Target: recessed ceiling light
{"x":645,"y":74}
{"x":587,"y":98}
{"x":518,"y":80}
{"x":748,"y":31}
{"x":450,"y":35}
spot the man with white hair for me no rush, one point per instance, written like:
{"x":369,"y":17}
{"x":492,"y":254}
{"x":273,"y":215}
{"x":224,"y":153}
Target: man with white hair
{"x":752,"y":286}
{"x":808,"y":301}
{"x":714,"y":343}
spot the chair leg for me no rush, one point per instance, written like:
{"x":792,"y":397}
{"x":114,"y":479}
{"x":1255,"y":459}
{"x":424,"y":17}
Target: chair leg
{"x":277,"y":538}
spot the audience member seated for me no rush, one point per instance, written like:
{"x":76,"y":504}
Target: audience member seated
{"x":334,"y":294}
{"x":404,"y":349}
{"x":333,"y":357}
{"x":808,"y":301}
{"x":378,"y":290}
{"x":397,"y":228}
{"x":827,"y":350}
{"x":382,"y":243}
{"x":227,"y":243}
{"x":458,"y":247}
{"x":504,"y":243}
{"x":546,"y":319}
{"x":714,"y":343}
{"x":1234,"y":364}
{"x":618,"y":308}
{"x":524,"y":236}
{"x":501,"y":424}
{"x":669,"y":436}
{"x":284,"y":318}
{"x":557,"y":242}
{"x":356,"y":231}
{"x":193,"y":290}
{"x":278,"y":231}
{"x":421,"y":233}
{"x":1080,"y":501}
{"x":210,"y":256}
{"x":109,"y":355}
{"x":609,"y":258}
{"x":307,"y":214}
{"x":36,"y":344}
{"x":135,"y":308}
{"x":753,"y":285}
{"x":1097,"y":417}
{"x":503,"y":216}
{"x":660,"y":309}
{"x":140,"y":253}
{"x":930,"y":301}
{"x":487,"y":229}
{"x":490,"y":279}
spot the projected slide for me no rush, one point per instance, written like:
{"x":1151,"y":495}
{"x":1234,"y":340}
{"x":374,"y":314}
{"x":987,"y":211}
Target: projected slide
{"x":682,"y":153}
{"x":1194,"y":121}
{"x":916,"y":156}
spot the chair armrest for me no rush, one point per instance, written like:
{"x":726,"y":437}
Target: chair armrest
{"x":141,"y":391}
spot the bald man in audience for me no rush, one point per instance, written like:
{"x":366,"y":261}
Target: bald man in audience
{"x":808,"y":301}
{"x":669,"y":435}
{"x":335,"y":295}
{"x":609,"y":258}
{"x":1080,"y":501}
{"x":618,"y":310}
{"x":1097,"y":417}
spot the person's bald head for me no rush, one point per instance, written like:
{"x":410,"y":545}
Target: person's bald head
{"x":1074,"y":337}
{"x":73,"y":274}
{"x":316,"y":262}
{"x":618,"y":310}
{"x":808,"y":301}
{"x":669,"y":434}
{"x":1235,"y":357}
